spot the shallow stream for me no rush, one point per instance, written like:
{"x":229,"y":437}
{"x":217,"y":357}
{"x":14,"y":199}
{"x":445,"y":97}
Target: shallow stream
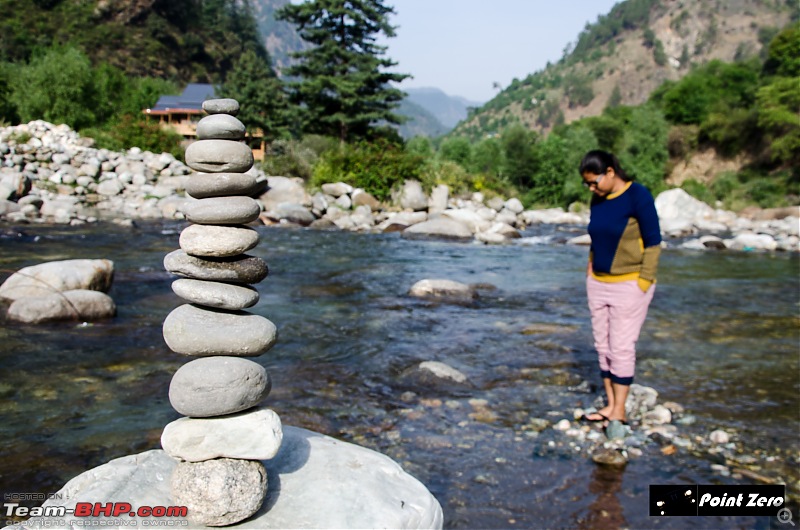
{"x":722,"y":340}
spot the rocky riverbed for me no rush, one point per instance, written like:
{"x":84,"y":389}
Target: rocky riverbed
{"x":50,"y":174}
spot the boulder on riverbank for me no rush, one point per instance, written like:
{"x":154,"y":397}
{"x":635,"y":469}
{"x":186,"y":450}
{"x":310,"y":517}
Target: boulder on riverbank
{"x":314,"y":482}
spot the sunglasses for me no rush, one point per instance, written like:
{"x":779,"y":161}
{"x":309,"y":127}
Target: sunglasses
{"x":594,"y":182}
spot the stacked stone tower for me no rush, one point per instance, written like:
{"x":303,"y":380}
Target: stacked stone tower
{"x":225,"y":433}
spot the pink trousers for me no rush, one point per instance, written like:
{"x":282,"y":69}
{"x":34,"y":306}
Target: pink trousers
{"x":618,"y":312}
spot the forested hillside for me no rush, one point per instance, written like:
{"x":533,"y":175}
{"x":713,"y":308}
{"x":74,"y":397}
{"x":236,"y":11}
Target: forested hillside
{"x":180,"y":40}
{"x":627,"y":54}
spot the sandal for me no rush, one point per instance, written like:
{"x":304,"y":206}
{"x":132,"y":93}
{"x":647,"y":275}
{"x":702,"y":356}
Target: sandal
{"x":594,"y":420}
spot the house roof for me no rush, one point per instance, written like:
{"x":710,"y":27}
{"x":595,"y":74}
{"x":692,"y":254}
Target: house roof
{"x":191,"y":99}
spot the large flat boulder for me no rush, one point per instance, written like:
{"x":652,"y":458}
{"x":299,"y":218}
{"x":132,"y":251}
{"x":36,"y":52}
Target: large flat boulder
{"x":313,"y":482}
{"x":58,"y":276}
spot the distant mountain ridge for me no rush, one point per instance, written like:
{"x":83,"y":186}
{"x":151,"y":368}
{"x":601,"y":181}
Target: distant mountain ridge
{"x":432,"y":112}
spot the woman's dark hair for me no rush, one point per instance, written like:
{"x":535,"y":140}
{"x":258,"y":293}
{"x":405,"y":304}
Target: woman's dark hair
{"x":597,"y":162}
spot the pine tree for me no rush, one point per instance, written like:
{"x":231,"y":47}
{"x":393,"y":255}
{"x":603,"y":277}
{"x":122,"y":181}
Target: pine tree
{"x":343,"y":87}
{"x":261,"y":96}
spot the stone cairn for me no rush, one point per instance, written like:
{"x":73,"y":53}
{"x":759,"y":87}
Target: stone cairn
{"x":225,"y":434}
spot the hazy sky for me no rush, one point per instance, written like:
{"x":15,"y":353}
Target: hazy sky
{"x":464,"y":46}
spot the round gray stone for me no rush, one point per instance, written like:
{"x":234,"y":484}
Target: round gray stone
{"x":219,"y":492}
{"x":217,"y":241}
{"x":255,"y":434}
{"x":205,"y":332}
{"x":220,"y":127}
{"x":236,"y":269}
{"x":221,"y":106}
{"x":203,"y":185}
{"x":222,"y":210}
{"x":219,"y":156}
{"x":215,"y":386}
{"x":216,"y":294}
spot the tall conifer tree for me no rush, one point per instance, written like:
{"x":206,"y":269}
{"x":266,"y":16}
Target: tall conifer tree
{"x":343,"y":86}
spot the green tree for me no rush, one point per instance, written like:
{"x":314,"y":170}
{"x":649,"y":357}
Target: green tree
{"x":261,"y":96}
{"x":779,"y":116}
{"x":456,"y":149}
{"x":644,"y":153}
{"x":420,"y":146}
{"x":8,"y":112}
{"x":518,"y":152}
{"x":57,"y":87}
{"x":783,"y":57}
{"x":343,"y":88}
{"x":487,"y":157}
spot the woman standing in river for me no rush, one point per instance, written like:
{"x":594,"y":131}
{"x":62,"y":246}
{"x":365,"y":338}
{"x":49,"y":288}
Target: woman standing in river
{"x":620,"y":277}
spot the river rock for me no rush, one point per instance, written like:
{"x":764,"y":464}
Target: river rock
{"x":362,"y":198}
{"x":719,"y":437}
{"x":221,"y":106}
{"x":399,"y":221}
{"x":193,"y":330}
{"x":213,"y":386}
{"x":217,"y":241}
{"x":204,"y":185}
{"x":220,"y":127}
{"x":443,"y":371}
{"x":251,"y":435}
{"x":438,"y":199}
{"x":609,"y":457}
{"x":442,"y":288}
{"x":219,"y":492}
{"x":236,"y":269}
{"x":285,"y":190}
{"x":216,"y":294}
{"x":412,"y":197}
{"x":56,"y":276}
{"x":80,"y":304}
{"x":319,"y":482}
{"x":219,"y":156}
{"x":291,"y":212}
{"x":337,"y":189}
{"x":514,"y":206}
{"x":439,"y":228}
{"x":222,"y":210}
{"x":751,"y":241}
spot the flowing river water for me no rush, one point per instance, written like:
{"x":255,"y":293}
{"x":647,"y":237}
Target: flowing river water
{"x":722,"y":339}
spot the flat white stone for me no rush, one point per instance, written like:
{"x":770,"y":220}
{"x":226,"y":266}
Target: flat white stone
{"x":249,"y":435}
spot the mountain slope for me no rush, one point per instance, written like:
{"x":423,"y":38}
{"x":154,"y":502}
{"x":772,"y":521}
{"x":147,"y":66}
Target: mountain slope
{"x":449,"y":110}
{"x":628,"y":53}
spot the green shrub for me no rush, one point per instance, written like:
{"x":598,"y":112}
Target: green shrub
{"x":375,"y":166}
{"x":698,"y":190}
{"x":134,"y":131}
{"x":445,"y":172}
{"x":724,"y":185}
{"x":289,"y":158}
{"x":766,"y":192}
